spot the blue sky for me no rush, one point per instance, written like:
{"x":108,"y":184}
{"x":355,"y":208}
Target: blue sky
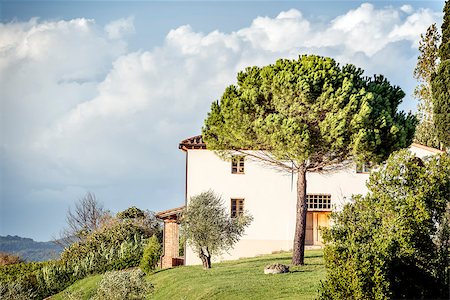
{"x":95,"y":96}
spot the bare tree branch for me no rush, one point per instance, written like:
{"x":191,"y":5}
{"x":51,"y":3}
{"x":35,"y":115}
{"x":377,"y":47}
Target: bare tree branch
{"x":88,"y":215}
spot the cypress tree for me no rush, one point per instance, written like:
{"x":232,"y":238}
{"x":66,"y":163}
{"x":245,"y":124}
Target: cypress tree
{"x":441,"y":83}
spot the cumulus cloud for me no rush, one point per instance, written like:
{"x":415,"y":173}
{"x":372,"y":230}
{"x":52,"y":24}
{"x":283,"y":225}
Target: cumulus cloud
{"x":407,"y":9}
{"x":119,"y":28}
{"x":80,"y":110}
{"x":284,"y":32}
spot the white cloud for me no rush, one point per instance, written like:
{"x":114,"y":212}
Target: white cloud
{"x":78,"y":109}
{"x":175,"y":83}
{"x":288,"y":30}
{"x":94,"y":87}
{"x":414,"y":24}
{"x":407,"y":9}
{"x":120,"y":28}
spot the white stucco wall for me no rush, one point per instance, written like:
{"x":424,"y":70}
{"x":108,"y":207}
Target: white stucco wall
{"x":268,"y":196}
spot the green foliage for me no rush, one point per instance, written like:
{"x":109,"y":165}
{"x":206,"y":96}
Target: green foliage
{"x":425,"y":68}
{"x":17,"y":290}
{"x":444,"y":49}
{"x":394,"y":242}
{"x":118,"y":244}
{"x":208,"y":227}
{"x":310,"y":110}
{"x":181,"y":241}
{"x":12,"y":272}
{"x":441,"y":102}
{"x":152,"y":253}
{"x":54,"y":277}
{"x":119,"y":285}
{"x":308,"y":114}
{"x":108,"y":257}
{"x":104,"y":239}
{"x":441,"y":82}
{"x":131,"y":213}
{"x":36,"y":280}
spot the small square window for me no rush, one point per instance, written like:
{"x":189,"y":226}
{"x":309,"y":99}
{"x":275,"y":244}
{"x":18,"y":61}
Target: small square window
{"x":237,"y":165}
{"x":237,"y":207}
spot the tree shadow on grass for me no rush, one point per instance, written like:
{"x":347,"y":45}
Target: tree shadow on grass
{"x":161,"y":270}
{"x":301,"y":271}
{"x":313,"y":256}
{"x":261,"y":259}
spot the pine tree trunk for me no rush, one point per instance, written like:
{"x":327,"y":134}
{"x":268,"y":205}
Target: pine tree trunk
{"x":298,"y":254}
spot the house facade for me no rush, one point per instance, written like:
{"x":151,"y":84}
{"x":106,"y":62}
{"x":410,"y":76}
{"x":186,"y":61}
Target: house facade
{"x":270,"y":196}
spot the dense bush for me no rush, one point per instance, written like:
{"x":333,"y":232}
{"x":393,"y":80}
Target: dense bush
{"x":118,"y":244}
{"x":18,"y":290}
{"x":152,"y":253}
{"x":394,"y":242}
{"x":119,"y":285}
{"x":131,"y":213}
{"x":54,"y":277}
{"x":12,"y":272}
{"x":102,"y":240}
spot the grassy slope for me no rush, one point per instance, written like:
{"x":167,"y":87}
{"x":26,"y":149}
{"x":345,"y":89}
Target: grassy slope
{"x":240,"y":279}
{"x":84,"y":288}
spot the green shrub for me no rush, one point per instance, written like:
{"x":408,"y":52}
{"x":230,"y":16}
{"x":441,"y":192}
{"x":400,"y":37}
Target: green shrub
{"x":18,"y":290}
{"x":10,"y":273}
{"x":118,"y":244}
{"x":21,"y":280}
{"x":54,"y":277}
{"x":112,"y":235}
{"x":152,"y":253}
{"x":131,"y":213}
{"x":126,"y":284}
{"x":394,"y":242}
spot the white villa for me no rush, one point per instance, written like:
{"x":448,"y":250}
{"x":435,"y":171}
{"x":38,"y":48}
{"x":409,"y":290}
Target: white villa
{"x":268,"y":195}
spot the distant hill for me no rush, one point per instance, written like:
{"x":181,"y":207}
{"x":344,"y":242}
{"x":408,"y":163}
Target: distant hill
{"x":28,"y":249}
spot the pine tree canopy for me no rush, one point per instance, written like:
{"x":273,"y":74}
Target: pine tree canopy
{"x":310,"y":110}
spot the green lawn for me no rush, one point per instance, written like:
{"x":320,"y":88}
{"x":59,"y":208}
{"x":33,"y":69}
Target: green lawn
{"x":240,"y":279}
{"x":82,"y":289}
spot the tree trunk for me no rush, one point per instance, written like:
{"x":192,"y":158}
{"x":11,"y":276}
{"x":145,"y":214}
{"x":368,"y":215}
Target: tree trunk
{"x":206,"y":258}
{"x":298,"y":254}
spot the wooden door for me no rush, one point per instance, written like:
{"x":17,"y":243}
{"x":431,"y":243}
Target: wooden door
{"x":309,"y":237}
{"x":323,"y":220}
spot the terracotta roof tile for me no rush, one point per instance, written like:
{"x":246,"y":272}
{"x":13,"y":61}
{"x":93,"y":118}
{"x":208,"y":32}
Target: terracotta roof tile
{"x":431,"y":149}
{"x":170,"y":213}
{"x":195,"y":142}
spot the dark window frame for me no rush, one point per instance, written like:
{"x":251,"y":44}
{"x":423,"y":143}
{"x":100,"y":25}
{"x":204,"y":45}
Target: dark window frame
{"x":238,"y":164}
{"x":318,"y":202}
{"x":236,"y":207}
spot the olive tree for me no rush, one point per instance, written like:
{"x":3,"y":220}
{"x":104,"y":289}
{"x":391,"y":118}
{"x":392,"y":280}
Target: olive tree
{"x":209,"y":229}
{"x":308,"y":115}
{"x":394,"y":243}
